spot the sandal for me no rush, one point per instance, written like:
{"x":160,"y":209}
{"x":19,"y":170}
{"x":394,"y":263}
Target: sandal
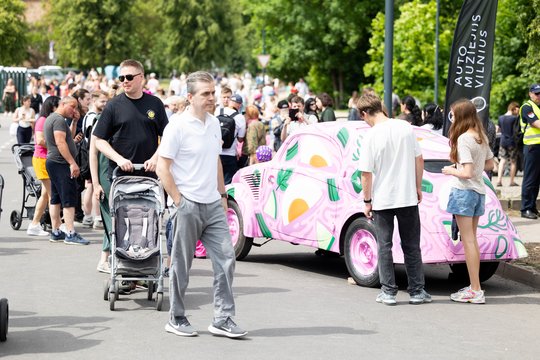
{"x":514,"y":184}
{"x":499,"y":184}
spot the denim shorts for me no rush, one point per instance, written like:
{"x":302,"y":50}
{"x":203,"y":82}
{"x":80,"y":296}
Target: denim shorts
{"x":466,"y":203}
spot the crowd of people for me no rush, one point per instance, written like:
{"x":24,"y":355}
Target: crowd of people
{"x":196,"y":135}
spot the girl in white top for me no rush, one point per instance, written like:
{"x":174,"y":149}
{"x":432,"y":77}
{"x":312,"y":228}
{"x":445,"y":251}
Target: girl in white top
{"x":470,"y":152}
{"x":25,"y":118}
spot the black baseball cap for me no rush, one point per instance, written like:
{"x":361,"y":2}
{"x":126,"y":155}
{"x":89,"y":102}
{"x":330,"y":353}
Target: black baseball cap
{"x":283,"y":104}
{"x":535,"y":88}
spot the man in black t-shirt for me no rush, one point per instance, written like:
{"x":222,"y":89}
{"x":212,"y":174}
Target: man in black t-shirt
{"x":130,"y":126}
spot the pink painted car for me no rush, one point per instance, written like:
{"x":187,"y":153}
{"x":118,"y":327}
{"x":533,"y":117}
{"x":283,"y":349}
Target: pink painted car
{"x":310,"y":193}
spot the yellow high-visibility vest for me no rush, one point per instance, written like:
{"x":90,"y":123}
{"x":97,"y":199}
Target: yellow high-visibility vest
{"x":531,"y":134}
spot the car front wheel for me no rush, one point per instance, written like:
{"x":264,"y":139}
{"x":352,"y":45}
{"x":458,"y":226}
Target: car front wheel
{"x":241,"y":243}
{"x":361,"y":254}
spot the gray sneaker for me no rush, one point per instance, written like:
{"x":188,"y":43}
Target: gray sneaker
{"x":88,"y":221}
{"x":75,"y":239}
{"x":227,"y":328}
{"x":420,"y":298}
{"x":180,"y":326}
{"x":386,"y":299}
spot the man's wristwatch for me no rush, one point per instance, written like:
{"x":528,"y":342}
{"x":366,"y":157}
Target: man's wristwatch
{"x":225,"y":195}
{"x":367,"y":201}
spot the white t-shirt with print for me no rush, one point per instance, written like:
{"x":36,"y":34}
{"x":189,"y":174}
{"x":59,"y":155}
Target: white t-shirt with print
{"x":389,"y":151}
{"x":194,"y":147}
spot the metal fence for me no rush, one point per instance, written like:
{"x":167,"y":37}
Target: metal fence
{"x":19,"y":75}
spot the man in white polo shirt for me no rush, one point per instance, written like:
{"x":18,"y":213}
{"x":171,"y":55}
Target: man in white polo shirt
{"x":190,"y":170}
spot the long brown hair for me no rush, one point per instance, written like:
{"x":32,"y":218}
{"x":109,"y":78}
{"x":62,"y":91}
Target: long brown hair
{"x":465,"y":118}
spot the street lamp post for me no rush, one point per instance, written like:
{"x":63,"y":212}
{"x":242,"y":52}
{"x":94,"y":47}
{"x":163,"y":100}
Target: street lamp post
{"x":388,"y":53}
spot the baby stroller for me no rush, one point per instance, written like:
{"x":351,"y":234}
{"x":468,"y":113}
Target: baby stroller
{"x":4,"y":306}
{"x":137,"y":207}
{"x":31,"y":187}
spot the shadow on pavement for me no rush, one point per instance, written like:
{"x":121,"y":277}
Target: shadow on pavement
{"x":49,"y":334}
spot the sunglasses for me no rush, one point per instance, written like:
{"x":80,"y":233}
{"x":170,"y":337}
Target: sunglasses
{"x":128,"y":77}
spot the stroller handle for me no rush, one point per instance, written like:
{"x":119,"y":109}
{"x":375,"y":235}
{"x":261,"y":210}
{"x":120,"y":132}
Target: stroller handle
{"x":136,"y":167}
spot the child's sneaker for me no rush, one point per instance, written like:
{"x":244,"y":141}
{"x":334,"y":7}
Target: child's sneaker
{"x":468,"y":295}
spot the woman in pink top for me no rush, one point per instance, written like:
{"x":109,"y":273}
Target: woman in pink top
{"x":38,"y":162}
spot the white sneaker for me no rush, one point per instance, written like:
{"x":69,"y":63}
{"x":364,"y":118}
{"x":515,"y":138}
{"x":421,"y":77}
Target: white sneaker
{"x":98,"y":224}
{"x":88,"y":220}
{"x":36,"y":230}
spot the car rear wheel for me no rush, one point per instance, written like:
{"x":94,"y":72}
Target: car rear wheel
{"x":242,"y":244}
{"x":361,"y":254}
{"x":487,"y":270}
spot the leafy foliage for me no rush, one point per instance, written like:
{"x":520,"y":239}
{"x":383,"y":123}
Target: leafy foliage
{"x":94,"y":32}
{"x":326,"y":39}
{"x":13,"y":31}
{"x":508,"y":83}
{"x":199,"y":33}
{"x":414,"y":50}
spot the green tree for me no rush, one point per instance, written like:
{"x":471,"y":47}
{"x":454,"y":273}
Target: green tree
{"x":199,"y":34}
{"x":511,"y":48}
{"x":414,"y":50}
{"x":95,"y":32}
{"x":13,"y":31}
{"x":326,"y":39}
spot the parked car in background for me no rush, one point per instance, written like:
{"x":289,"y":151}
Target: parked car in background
{"x":50,"y":73}
{"x":310,"y":193}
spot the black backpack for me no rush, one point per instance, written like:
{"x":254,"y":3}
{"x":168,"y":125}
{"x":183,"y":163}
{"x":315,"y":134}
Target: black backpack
{"x":228,"y":127}
{"x":83,"y":149}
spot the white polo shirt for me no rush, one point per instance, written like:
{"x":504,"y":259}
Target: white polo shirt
{"x":240,"y":129}
{"x":194,"y":147}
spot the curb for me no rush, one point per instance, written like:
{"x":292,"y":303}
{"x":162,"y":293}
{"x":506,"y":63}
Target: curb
{"x":519,"y":273}
{"x":514,"y":204}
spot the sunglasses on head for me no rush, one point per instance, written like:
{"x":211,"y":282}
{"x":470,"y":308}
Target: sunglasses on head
{"x":128,"y":77}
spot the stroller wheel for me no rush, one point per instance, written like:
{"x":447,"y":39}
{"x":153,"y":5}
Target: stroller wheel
{"x":159,"y":301}
{"x":151,"y":289}
{"x":4,"y":319}
{"x":106,"y":285}
{"x":15,"y":219}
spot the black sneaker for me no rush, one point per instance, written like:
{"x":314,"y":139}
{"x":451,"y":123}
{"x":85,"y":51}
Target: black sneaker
{"x":180,"y":326}
{"x":227,"y":328}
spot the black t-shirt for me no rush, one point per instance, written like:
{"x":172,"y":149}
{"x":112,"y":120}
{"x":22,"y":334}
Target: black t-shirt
{"x":35,"y":102}
{"x":506,"y":123}
{"x":132,"y":127}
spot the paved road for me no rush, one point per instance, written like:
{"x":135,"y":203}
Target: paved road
{"x":295,"y":305}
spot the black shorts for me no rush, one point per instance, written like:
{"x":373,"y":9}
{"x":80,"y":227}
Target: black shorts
{"x":63,"y":187}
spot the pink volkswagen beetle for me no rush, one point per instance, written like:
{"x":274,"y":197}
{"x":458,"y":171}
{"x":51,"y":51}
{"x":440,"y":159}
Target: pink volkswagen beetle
{"x":310,"y":193}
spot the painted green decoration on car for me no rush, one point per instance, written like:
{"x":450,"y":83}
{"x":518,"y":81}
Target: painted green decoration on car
{"x":283,"y":178}
{"x":343,"y":136}
{"x":262,"y":225}
{"x":292,"y":151}
{"x":356,"y":181}
{"x":333,"y":193}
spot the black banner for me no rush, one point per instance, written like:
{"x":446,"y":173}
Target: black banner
{"x":469,"y":73}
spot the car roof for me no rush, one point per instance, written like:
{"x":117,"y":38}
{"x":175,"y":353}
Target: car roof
{"x":434,"y":146}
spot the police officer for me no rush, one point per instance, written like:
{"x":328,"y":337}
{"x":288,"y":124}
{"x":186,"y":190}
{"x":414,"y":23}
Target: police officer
{"x":530,"y":125}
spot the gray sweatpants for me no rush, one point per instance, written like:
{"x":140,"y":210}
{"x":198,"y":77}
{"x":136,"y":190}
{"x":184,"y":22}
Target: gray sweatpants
{"x":208,"y":223}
